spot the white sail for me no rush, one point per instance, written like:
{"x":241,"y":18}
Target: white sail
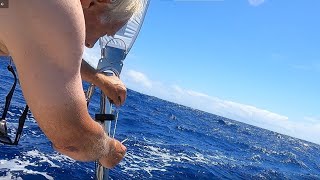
{"x":128,"y":33}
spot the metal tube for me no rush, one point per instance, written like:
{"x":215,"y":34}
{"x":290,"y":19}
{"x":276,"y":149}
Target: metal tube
{"x":102,"y":173}
{"x":90,"y":92}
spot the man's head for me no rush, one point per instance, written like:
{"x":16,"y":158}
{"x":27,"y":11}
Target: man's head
{"x":106,"y":17}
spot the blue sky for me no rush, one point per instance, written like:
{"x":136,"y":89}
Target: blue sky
{"x":255,"y":61}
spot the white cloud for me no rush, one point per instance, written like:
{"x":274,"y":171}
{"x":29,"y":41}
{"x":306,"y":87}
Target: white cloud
{"x":312,"y":119}
{"x":256,"y":2}
{"x":92,"y":55}
{"x":139,"y":78}
{"x":309,"y":129}
{"x":314,"y":66}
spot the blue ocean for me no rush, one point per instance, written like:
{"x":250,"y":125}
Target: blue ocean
{"x":165,"y":141}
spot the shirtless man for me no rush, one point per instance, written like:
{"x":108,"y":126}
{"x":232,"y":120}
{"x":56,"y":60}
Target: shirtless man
{"x":45,"y":38}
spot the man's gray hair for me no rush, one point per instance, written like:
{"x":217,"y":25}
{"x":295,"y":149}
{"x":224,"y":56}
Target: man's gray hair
{"x":121,"y":10}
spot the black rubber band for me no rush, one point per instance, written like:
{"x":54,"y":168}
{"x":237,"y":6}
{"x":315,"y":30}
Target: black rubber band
{"x":105,"y":117}
{"x":22,"y":120}
{"x":10,"y":94}
{"x":5,"y":138}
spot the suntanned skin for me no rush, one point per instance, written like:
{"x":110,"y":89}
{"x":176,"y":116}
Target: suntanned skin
{"x":112,"y":86}
{"x":3,"y":50}
{"x":45,"y":40}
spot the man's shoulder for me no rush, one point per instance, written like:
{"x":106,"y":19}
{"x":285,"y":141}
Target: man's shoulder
{"x":54,"y":32}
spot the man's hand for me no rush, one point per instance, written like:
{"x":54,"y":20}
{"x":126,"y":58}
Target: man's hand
{"x":116,"y":153}
{"x":111,"y":85}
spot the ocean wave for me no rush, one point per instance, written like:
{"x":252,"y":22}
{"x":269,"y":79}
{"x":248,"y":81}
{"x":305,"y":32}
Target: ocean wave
{"x":14,"y":168}
{"x":169,"y":141}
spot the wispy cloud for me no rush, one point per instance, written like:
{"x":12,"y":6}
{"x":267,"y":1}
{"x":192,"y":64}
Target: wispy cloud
{"x":312,"y":119}
{"x":256,"y":2}
{"x":92,"y":55}
{"x":307,"y":129}
{"x":315,"y":66}
{"x":139,"y":78}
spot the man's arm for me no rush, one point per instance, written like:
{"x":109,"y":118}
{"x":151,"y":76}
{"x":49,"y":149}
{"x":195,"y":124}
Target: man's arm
{"x":112,"y":86}
{"x":46,"y":40}
{"x":3,"y":50}
{"x":3,"y":54}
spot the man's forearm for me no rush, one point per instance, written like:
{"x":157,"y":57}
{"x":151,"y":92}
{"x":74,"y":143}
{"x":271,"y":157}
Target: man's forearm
{"x":87,"y":72}
{"x":90,"y":75}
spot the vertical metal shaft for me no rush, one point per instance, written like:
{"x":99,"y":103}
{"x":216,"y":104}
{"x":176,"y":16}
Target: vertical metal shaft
{"x":102,"y":173}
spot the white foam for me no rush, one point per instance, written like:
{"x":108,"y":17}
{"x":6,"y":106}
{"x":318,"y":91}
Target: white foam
{"x":152,"y":158}
{"x":41,"y":156}
{"x":9,"y":175}
{"x":15,"y":165}
{"x":23,"y":164}
{"x":11,"y":114}
{"x":62,"y":158}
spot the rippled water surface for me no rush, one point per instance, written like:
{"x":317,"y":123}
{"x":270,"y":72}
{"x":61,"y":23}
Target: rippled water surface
{"x":166,"y":141}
